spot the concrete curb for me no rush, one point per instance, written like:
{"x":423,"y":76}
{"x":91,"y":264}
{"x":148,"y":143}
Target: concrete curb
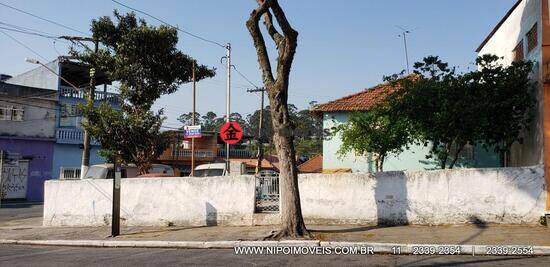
{"x":377,"y":248}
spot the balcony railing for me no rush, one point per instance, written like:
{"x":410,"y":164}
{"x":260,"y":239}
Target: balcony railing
{"x":71,"y":136}
{"x":186,"y":153}
{"x":65,"y":91}
{"x":236,"y":153}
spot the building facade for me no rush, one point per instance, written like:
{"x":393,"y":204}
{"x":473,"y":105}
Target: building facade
{"x":413,"y":158}
{"x":27,"y":133}
{"x":55,"y":121}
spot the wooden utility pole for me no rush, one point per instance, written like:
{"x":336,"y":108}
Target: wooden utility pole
{"x":260,"y":124}
{"x":193,"y":122}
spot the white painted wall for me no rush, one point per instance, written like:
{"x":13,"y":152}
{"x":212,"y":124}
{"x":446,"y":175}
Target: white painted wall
{"x":510,"y":195}
{"x":502,"y":43}
{"x":152,"y":201}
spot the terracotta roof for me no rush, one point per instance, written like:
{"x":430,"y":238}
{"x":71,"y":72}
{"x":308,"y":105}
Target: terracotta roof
{"x":253,"y":162}
{"x":361,"y":101}
{"x":313,"y":165}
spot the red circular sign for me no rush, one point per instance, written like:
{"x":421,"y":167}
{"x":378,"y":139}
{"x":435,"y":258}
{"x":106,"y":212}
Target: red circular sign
{"x":231,"y":133}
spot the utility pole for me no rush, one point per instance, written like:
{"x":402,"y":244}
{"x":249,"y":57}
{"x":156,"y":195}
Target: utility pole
{"x":90,"y":103}
{"x":260,"y":123}
{"x":193,"y":122}
{"x":228,"y":104}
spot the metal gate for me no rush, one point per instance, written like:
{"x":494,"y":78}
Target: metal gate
{"x":267,"y":191}
{"x":14,"y":179}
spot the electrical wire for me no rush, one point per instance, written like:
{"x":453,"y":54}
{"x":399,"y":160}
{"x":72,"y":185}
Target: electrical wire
{"x":44,"y":19}
{"x":22,"y":44}
{"x":177,"y":28}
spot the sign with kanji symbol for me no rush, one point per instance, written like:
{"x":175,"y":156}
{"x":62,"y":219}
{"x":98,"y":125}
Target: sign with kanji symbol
{"x":231,"y":133}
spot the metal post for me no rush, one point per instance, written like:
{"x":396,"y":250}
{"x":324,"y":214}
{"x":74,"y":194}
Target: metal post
{"x":1,"y":175}
{"x":260,"y":139}
{"x":115,"y":223}
{"x":228,"y":104}
{"x":90,"y":103}
{"x":260,"y":124}
{"x":406,"y":50}
{"x":193,"y":122}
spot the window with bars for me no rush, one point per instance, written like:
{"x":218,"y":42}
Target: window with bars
{"x":518,"y":52}
{"x":532,"y":38}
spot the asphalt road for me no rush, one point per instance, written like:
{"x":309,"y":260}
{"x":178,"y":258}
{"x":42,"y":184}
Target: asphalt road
{"x":15,"y":255}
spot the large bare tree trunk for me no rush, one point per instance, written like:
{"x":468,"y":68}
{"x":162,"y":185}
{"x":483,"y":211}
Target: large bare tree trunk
{"x":292,"y":222}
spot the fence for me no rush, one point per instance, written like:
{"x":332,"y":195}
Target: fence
{"x":267,"y":192}
{"x":69,"y":173}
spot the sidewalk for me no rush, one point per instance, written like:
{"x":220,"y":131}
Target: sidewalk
{"x":30,"y":229}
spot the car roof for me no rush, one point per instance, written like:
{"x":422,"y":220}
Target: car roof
{"x":211,"y":166}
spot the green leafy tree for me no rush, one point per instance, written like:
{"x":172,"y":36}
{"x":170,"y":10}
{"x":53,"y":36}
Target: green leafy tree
{"x":375,"y":134}
{"x":508,"y":101}
{"x":187,"y":118}
{"x":490,"y":106}
{"x":145,"y":61}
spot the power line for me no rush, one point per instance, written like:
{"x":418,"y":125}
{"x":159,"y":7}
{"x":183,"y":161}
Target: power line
{"x":22,"y":44}
{"x":177,"y":28}
{"x":44,"y":19}
{"x":244,"y":77}
{"x":27,"y":30}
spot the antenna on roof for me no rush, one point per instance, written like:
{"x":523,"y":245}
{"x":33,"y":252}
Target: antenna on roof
{"x":404,"y":35}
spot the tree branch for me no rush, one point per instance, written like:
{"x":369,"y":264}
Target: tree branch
{"x":253,"y":27}
{"x":268,"y":22}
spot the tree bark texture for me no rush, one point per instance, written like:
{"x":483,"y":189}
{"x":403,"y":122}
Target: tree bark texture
{"x":292,"y":222}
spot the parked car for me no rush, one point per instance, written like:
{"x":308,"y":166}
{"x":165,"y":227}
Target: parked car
{"x":106,"y":171}
{"x":211,"y":169}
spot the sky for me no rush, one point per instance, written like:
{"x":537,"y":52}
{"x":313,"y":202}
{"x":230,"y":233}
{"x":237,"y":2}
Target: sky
{"x":343,"y":46}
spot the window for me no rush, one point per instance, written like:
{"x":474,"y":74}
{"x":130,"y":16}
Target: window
{"x":70,"y":116}
{"x":5,"y":113}
{"x":532,"y":38}
{"x":12,"y":113}
{"x":518,"y":52}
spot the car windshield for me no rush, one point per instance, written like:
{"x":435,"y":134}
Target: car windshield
{"x":95,"y":172}
{"x":208,"y":172}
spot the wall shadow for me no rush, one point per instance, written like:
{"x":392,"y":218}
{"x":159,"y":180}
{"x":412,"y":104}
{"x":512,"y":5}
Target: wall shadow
{"x":390,"y":196}
{"x":211,"y":215}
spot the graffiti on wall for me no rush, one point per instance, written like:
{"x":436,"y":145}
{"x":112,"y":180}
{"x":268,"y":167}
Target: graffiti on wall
{"x":14,"y":179}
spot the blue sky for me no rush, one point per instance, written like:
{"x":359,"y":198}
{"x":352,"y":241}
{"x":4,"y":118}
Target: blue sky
{"x":344,"y":46}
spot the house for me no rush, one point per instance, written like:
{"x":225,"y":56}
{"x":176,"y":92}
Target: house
{"x":208,"y":149}
{"x":27,"y":130}
{"x":313,"y":165}
{"x":46,"y":120}
{"x":524,"y":34}
{"x":413,"y":158}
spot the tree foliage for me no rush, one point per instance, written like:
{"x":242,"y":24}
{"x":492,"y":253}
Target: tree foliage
{"x":377,"y":133}
{"x":490,"y":107}
{"x":145,"y":61}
